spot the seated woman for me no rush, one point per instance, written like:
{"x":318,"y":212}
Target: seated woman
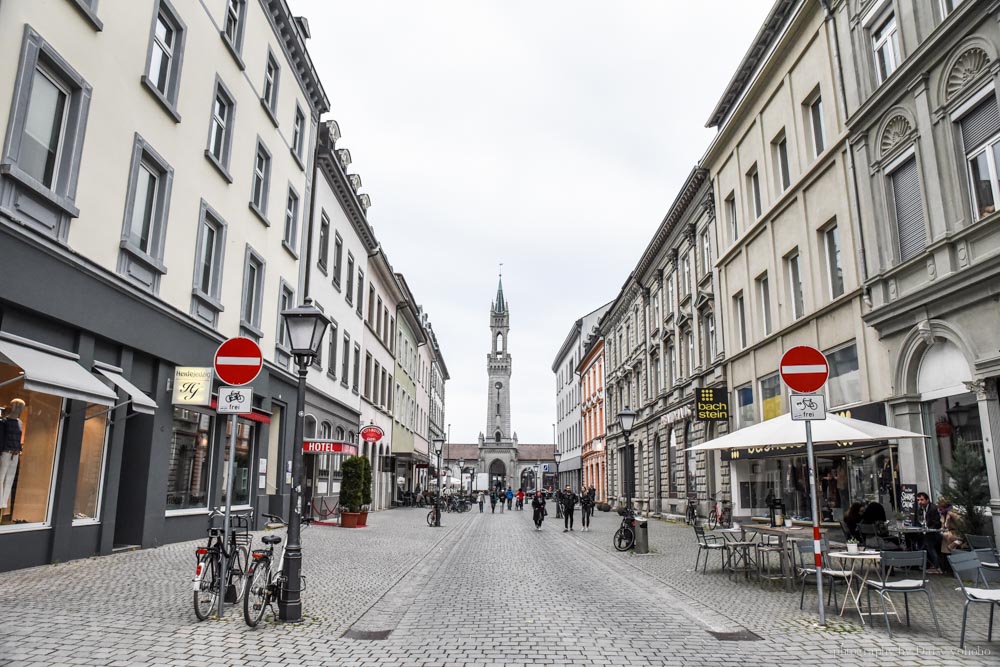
{"x":951,"y":527}
{"x":873,"y":513}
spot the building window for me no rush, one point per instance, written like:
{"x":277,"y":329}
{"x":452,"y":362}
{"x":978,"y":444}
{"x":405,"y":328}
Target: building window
{"x":261,"y":181}
{"x":349,"y":292}
{"x":981,"y":138}
{"x":253,"y":288}
{"x":286,"y":301}
{"x":706,"y":253}
{"x":656,"y":323}
{"x":795,"y":284}
{"x":345,"y":366}
{"x":686,"y":278}
{"x":190,"y":463}
{"x":734,"y":231}
{"x":905,"y":187}
{"x":689,"y":363}
{"x":232,"y":29}
{"x":45,"y":137}
{"x":834,"y":270}
{"x":323,"y":250}
{"x":816,"y":125}
{"x":90,"y":474}
{"x":371,"y":307}
{"x":780,"y":148}
{"x":220,"y":131}
{"x":844,"y":384}
{"x":338,"y":252}
{"x":291,"y":221}
{"x":298,"y":132}
{"x":166,"y":51}
{"x":710,"y":345}
{"x":210,"y":250}
{"x":764,"y":296}
{"x":740,"y":312}
{"x":331,"y":352}
{"x":361,"y":292}
{"x":147,"y":206}
{"x":885,"y":45}
{"x":368,"y":376}
{"x":948,"y":6}
{"x":357,"y":367}
{"x":753,"y":186}
{"x":745,"y":412}
{"x":269,"y":98}
{"x":242,"y":462}
{"x":670,"y":298}
{"x":770,"y":397}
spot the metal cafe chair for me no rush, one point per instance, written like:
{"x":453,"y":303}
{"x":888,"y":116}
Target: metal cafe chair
{"x":708,"y":543}
{"x":981,"y":542}
{"x":893,"y":579}
{"x":966,"y":565}
{"x":807,"y":568}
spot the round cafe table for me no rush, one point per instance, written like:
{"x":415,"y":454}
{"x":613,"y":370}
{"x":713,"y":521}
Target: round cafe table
{"x":865,"y":561}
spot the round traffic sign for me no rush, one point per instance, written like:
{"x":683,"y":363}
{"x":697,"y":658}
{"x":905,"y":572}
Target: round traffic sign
{"x":804,"y":369}
{"x":238,"y":361}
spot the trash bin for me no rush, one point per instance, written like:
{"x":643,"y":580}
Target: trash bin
{"x":641,"y":536}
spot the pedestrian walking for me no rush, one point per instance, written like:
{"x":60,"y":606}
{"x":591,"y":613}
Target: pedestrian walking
{"x":510,"y":497}
{"x":520,"y":499}
{"x":482,"y":500}
{"x":586,"y":509}
{"x":502,"y":498}
{"x":538,"y":509}
{"x":569,"y":501}
{"x":493,"y":502}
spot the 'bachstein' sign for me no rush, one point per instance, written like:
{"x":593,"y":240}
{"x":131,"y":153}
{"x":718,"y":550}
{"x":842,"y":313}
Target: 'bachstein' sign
{"x":712,"y":405}
{"x":192,"y":385}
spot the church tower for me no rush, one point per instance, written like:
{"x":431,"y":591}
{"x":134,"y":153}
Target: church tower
{"x":498,"y":366}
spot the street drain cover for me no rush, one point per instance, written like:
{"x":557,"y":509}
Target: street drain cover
{"x":740,"y":636}
{"x":369,"y":634}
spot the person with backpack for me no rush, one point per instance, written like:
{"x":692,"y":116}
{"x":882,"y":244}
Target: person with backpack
{"x":568,"y":501}
{"x":510,"y":497}
{"x":538,"y":509}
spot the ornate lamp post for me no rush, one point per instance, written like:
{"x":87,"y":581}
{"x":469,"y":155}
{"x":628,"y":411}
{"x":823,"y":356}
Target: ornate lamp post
{"x":461,"y":475}
{"x":626,"y":420}
{"x":305,"y":325}
{"x":534,"y":478}
{"x":438,"y":446}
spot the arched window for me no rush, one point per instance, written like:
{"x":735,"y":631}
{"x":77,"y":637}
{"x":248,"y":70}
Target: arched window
{"x":325,"y":430}
{"x":499,"y":345}
{"x":340,"y":433}
{"x":309,"y":426}
{"x":497,"y":436}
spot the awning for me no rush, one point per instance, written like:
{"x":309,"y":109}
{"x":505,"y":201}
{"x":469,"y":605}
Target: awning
{"x":256,"y":416}
{"x":140,"y":402}
{"x":51,"y":371}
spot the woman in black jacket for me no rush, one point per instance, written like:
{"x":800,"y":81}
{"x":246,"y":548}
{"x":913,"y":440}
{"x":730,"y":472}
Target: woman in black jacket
{"x":538,"y":509}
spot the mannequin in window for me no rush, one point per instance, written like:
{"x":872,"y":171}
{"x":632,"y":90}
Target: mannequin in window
{"x":11,"y":437}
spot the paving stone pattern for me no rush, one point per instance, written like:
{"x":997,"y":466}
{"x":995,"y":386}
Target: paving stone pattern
{"x":486,"y":589}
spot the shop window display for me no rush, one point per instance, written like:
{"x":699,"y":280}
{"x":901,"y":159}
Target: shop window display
{"x":770,"y":397}
{"x":187,"y":479}
{"x":90,"y":474}
{"x":27,"y":462}
{"x":245,"y":432}
{"x":951,"y":422}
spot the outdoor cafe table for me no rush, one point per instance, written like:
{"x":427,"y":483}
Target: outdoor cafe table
{"x":867,"y":560}
{"x":786,"y":538}
{"x":736,"y":540}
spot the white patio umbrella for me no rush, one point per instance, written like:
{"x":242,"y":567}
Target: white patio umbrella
{"x":782,"y":431}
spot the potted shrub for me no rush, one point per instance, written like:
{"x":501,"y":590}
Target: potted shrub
{"x":852,"y":546}
{"x":350,"y":491}
{"x":366,"y":490}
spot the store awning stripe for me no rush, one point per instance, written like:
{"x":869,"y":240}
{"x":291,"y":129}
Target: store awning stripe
{"x":52,"y":373}
{"x":141,"y":403}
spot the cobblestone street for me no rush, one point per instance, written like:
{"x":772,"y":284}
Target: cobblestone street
{"x":484,"y":590}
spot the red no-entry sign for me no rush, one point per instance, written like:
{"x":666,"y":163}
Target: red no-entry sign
{"x":238,"y":361}
{"x":804,"y":369}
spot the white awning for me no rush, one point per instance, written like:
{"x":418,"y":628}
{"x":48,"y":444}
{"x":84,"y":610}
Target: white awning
{"x":140,"y":402}
{"x":51,"y":371}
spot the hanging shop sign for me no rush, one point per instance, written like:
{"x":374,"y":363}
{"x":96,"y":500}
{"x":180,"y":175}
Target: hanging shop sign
{"x":711,"y":405}
{"x":329,"y":447}
{"x":372,"y":433}
{"x":192,"y":385}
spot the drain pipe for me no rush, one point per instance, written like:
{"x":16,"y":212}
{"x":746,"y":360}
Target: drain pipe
{"x":850,"y":152}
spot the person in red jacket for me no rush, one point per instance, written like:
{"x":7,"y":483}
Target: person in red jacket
{"x":520,"y":499}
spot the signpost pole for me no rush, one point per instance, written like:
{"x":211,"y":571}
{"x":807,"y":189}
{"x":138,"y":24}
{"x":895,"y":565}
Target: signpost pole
{"x":224,"y":578}
{"x":815,"y":517}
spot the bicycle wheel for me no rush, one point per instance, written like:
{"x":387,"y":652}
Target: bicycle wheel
{"x":713,"y":520}
{"x":239,"y":569}
{"x":257,"y":593}
{"x":624,"y":538}
{"x":206,"y":596}
{"x":430,"y":518}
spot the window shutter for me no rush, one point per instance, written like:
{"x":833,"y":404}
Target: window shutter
{"x":909,"y":215}
{"x":981,"y":123}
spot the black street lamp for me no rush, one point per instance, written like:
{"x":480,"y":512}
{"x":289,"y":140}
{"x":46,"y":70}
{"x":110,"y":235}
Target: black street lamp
{"x":438,"y":446}
{"x":557,"y":455}
{"x":472,"y":474}
{"x":305,"y":326}
{"x":626,"y":420}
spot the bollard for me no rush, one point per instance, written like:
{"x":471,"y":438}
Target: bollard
{"x":641,"y":536}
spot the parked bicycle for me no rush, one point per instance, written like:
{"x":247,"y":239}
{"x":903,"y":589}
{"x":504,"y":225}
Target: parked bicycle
{"x":721,"y":515}
{"x":266,"y":576}
{"x":625,"y":535}
{"x":691,"y":515}
{"x":208,"y":576}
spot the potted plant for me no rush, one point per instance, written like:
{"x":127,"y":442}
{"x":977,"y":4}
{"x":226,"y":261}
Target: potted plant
{"x":366,"y":490}
{"x":852,"y":546}
{"x":350,"y":491}
{"x":968,"y":489}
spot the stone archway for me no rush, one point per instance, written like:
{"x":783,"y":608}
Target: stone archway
{"x":528,"y":480}
{"x":498,"y":474}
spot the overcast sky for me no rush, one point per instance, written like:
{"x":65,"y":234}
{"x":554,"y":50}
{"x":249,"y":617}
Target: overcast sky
{"x":550,"y":136}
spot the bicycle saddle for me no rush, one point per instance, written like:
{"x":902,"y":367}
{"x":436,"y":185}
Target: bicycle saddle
{"x":271,"y":539}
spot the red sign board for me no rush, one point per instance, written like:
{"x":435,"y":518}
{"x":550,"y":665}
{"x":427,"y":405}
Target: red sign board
{"x":372,"y":433}
{"x":238,"y":361}
{"x":804,"y":369}
{"x":329,"y":447}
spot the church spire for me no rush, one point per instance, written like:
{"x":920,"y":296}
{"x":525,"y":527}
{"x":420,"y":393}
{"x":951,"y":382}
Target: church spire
{"x":500,"y":306}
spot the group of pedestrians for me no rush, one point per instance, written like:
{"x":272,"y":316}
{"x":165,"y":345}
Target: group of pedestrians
{"x":505,"y":498}
{"x":566,"y":501}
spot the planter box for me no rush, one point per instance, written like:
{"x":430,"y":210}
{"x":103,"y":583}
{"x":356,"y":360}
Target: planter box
{"x":349,"y":519}
{"x":363,"y":519}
